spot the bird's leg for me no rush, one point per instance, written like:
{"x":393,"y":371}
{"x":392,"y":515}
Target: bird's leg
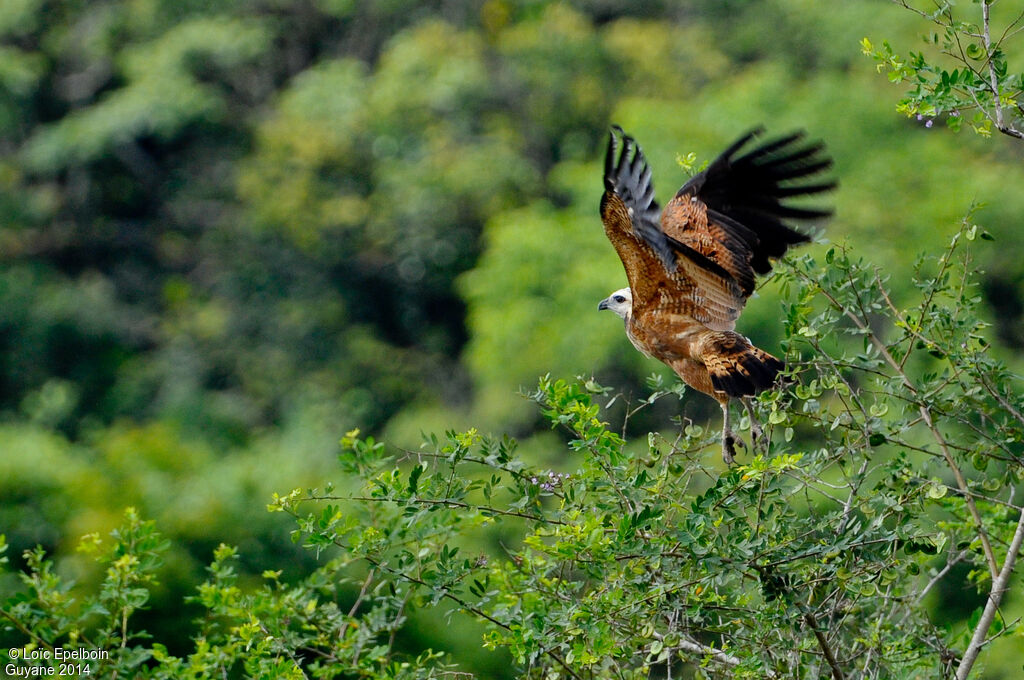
{"x":728,"y":438}
{"x":755,"y":427}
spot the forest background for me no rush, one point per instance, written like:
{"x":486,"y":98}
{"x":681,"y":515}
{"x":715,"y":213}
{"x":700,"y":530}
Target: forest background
{"x":231,"y":232}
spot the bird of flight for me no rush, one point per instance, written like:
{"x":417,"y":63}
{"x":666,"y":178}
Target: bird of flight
{"x":692,"y":266}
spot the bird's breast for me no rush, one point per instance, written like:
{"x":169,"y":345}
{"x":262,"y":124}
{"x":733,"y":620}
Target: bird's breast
{"x":639,"y":340}
{"x":665,"y":337}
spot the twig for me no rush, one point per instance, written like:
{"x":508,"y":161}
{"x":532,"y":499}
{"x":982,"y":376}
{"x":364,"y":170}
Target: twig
{"x":942,"y":572}
{"x":362,"y":594}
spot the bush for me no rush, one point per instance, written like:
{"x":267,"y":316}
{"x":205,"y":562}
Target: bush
{"x":893,"y":461}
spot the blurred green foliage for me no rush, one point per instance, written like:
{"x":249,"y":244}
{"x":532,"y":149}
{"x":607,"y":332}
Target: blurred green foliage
{"x":230,"y":231}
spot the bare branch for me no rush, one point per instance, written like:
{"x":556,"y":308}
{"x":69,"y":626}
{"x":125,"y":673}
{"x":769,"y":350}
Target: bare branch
{"x":999,"y":587}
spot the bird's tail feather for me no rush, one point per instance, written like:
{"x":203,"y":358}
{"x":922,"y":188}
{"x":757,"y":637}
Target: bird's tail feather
{"x":736,"y":367}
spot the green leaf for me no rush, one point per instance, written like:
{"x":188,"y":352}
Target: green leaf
{"x":414,"y":477}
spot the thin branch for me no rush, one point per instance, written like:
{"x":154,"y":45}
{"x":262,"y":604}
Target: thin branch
{"x":998,"y":397}
{"x":993,"y":79}
{"x":826,"y":650}
{"x":883,"y":350}
{"x":977,"y":496}
{"x":961,"y":483}
{"x":854,"y":485}
{"x":921,"y":13}
{"x":24,"y":629}
{"x":999,"y":587}
{"x":362,"y":594}
{"x":717,"y":654}
{"x":994,"y":113}
{"x":446,"y":502}
{"x":397,"y":624}
{"x":942,"y":572}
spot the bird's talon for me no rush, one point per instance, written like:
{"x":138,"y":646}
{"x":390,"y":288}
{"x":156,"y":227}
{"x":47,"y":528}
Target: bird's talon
{"x":756,"y":433}
{"x":729,"y":450}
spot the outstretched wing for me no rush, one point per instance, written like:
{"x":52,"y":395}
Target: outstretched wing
{"x":735,"y":211}
{"x":663,"y":272}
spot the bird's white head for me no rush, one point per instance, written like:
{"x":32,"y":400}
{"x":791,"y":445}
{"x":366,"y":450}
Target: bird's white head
{"x":620,"y":302}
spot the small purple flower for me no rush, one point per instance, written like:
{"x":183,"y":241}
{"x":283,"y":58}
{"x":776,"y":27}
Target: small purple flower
{"x":929,"y":123}
{"x":920,"y":117}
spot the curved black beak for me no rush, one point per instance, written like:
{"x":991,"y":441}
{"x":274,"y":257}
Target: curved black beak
{"x":603,"y":304}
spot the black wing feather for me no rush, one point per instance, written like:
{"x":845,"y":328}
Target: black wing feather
{"x":628,"y":176}
{"x":746,"y":193}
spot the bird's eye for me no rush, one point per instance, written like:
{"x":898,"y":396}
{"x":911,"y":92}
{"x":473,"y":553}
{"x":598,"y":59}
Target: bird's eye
{"x":619,"y":298}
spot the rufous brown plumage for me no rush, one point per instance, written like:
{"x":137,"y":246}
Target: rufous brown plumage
{"x":692,"y":266}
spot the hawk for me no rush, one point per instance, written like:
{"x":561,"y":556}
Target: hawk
{"x":692,"y":266}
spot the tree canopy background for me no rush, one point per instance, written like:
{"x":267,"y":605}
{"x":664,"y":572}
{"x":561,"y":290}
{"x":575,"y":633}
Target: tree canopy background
{"x":232,"y":231}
